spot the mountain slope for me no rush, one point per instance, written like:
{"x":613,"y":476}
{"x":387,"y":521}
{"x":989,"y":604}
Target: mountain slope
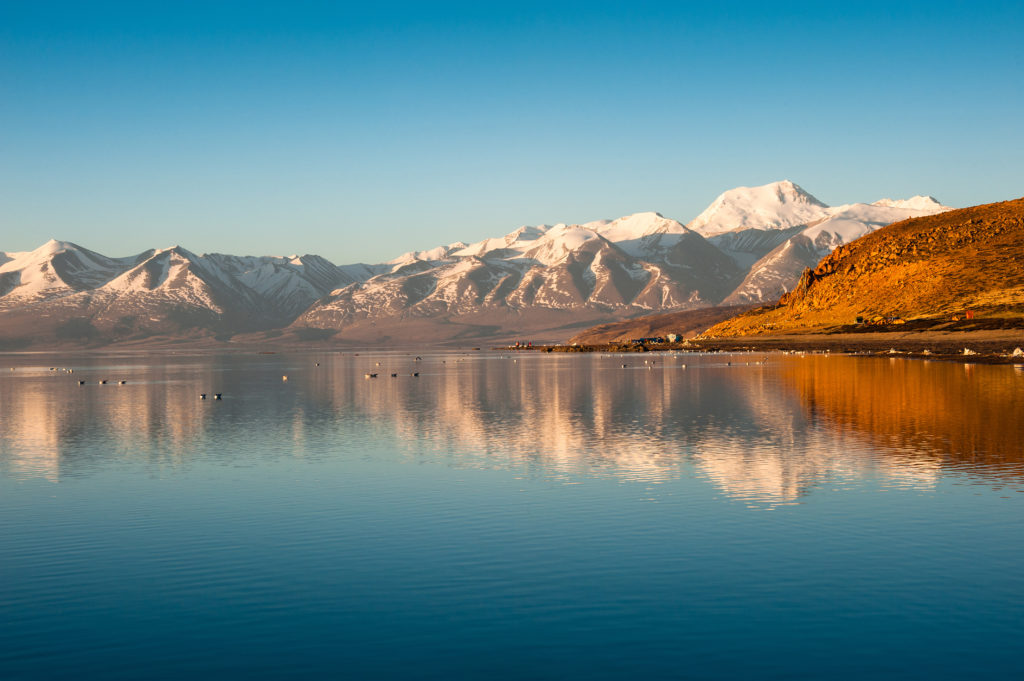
{"x":924,"y":270}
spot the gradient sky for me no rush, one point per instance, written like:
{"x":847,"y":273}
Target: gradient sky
{"x":361,"y":132}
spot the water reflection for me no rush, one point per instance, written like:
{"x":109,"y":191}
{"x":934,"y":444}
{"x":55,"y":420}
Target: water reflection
{"x":768,"y":433}
{"x":921,"y":413}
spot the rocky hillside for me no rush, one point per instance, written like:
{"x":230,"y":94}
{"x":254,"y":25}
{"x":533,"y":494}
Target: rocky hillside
{"x":962,"y":269}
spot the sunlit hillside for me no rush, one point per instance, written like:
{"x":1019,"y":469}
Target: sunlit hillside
{"x":959,"y":270}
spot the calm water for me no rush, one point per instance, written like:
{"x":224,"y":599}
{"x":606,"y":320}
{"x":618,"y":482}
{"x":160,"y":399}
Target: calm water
{"x":542,"y":517}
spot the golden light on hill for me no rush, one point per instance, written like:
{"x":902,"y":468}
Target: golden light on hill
{"x":926,"y":272}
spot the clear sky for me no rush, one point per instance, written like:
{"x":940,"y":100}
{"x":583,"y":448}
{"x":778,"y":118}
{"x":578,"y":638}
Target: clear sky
{"x":359,"y":132}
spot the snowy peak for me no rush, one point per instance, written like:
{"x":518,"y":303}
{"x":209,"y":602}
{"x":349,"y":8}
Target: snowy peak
{"x":284,"y":286}
{"x":648,"y":236}
{"x":39,"y":255}
{"x":639,"y":234}
{"x":165,"y":268}
{"x":53,"y":247}
{"x":429,"y":255}
{"x":527,"y":233}
{"x":514,"y":243}
{"x":558,"y":243}
{"x":784,"y":205}
{"x":58,"y":268}
{"x":637,"y":226}
{"x":925,"y":205}
{"x":778,"y":205}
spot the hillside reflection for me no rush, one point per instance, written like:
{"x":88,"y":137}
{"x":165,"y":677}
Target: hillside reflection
{"x":765,"y":433}
{"x":918,"y":412}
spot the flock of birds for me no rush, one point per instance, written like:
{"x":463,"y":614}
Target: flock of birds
{"x":394,"y":374}
{"x":649,"y":363}
{"x":66,"y":370}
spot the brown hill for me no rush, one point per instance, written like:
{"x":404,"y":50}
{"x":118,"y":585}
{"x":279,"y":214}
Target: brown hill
{"x":961,"y":270}
{"x":687,"y":323}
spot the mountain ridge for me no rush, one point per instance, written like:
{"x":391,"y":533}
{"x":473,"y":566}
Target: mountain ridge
{"x":541,"y":279}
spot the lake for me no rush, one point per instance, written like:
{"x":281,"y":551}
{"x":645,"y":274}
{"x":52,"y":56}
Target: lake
{"x":509,"y":516}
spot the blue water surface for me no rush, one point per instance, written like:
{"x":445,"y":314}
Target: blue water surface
{"x":520,"y":516}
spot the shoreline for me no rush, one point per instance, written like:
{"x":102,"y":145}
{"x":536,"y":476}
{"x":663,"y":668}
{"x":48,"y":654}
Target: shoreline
{"x":984,"y":347}
{"x":989,"y":346}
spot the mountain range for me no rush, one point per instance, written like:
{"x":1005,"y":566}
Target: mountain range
{"x":750,"y":246}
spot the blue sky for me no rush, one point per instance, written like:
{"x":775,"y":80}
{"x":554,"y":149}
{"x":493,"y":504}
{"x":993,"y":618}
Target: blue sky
{"x":358,"y":133}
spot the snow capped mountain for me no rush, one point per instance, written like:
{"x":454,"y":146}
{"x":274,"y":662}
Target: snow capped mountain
{"x":73,"y":293}
{"x":55,"y":269}
{"x":177,"y":276}
{"x":750,"y":245}
{"x":559,"y":243}
{"x":637,"y":263}
{"x":285,"y":286}
{"x":643,"y":235}
{"x":773,"y":274}
{"x":772,"y":206}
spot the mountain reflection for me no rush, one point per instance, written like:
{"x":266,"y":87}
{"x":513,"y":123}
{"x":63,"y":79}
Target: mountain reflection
{"x":768,"y":433}
{"x":51,"y":426}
